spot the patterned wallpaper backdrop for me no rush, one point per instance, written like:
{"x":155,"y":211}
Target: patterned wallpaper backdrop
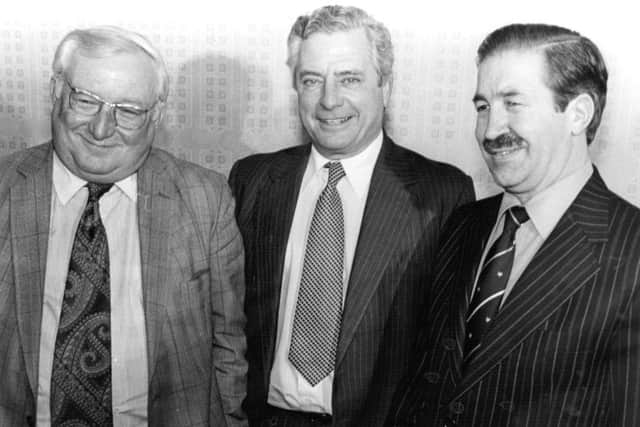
{"x":231,"y":94}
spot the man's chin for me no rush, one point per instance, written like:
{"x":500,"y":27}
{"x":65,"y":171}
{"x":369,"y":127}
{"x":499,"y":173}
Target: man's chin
{"x":91,"y":168}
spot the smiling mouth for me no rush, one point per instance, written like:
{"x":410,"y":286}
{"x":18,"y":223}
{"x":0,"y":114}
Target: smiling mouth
{"x":504,"y":145}
{"x":335,"y":122}
{"x":97,"y":144}
{"x":503,"y":152}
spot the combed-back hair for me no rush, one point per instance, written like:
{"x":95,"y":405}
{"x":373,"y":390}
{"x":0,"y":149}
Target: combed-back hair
{"x":331,"y":19}
{"x":105,"y":41}
{"x":574,"y":63}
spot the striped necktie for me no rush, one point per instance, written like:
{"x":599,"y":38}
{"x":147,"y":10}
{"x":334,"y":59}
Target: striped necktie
{"x":492,"y":281}
{"x":316,"y":321}
{"x":81,"y":375}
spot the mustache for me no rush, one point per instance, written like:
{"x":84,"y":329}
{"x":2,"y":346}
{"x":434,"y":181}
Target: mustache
{"x":504,"y":141}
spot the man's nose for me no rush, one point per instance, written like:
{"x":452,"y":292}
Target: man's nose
{"x":103,"y":124}
{"x":497,"y":123}
{"x":331,"y":96}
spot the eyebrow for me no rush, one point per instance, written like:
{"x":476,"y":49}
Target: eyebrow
{"x":509,"y":92}
{"x":133,"y":104}
{"x":502,"y":94}
{"x":137,"y":104}
{"x":348,"y":73}
{"x":304,"y":73}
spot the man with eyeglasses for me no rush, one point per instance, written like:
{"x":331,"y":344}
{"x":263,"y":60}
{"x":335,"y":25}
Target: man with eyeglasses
{"x":126,"y":116}
{"x":121,"y":267}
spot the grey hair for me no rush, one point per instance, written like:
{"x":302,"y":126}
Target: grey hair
{"x":110,"y":40}
{"x":331,"y":19}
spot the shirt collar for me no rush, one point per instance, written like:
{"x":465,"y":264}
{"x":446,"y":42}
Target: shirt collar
{"x":358,"y":168}
{"x":546,"y":208}
{"x":66,"y":184}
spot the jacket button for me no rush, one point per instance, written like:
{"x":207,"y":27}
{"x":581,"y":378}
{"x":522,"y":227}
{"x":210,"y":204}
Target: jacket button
{"x":456,"y":407}
{"x":448,"y":344}
{"x":432,"y":377}
{"x":572,"y":411}
{"x":505,"y":405}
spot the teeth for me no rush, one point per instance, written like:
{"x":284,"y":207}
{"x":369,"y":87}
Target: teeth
{"x":504,"y":152}
{"x":335,"y":121}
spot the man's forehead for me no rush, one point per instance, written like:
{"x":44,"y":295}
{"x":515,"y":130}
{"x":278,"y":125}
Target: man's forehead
{"x":514,"y":59}
{"x":125,"y":73}
{"x":348,"y":48}
{"x":511,"y":68}
{"x":81,"y":58}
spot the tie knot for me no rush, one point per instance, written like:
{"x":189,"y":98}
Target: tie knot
{"x":515,"y":217}
{"x":97,"y":190}
{"x":336,"y":172}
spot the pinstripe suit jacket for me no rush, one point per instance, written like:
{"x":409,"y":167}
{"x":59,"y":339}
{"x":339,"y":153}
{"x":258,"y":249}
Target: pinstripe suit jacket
{"x":409,"y":200}
{"x":564,"y":349}
{"x":192,"y":280}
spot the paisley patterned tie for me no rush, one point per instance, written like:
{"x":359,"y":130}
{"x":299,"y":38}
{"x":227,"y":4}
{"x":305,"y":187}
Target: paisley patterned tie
{"x":81,"y":375}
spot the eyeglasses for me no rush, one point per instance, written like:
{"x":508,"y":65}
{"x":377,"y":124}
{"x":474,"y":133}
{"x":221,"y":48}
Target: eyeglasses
{"x":126,"y":116}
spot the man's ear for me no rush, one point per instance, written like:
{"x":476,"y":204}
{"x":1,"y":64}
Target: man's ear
{"x":55,"y":88}
{"x":386,"y":91}
{"x":158,"y":113}
{"x":581,"y":109}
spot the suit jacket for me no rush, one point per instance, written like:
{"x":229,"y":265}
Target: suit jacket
{"x":192,"y":283}
{"x":409,"y":200}
{"x":562,"y":351}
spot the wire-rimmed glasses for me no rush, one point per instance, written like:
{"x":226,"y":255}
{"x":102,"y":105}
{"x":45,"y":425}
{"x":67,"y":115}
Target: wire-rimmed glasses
{"x":126,"y":116}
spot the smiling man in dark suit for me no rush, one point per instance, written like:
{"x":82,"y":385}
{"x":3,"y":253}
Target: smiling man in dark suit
{"x":339,"y":236}
{"x":534,"y":316}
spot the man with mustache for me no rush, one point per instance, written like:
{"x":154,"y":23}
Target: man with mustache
{"x":534,"y":316}
{"x":339,"y":236}
{"x":121,"y":266}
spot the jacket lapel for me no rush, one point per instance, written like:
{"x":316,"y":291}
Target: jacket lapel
{"x":564,"y":264}
{"x":387,"y":213}
{"x":276,"y":204}
{"x":464,"y":248}
{"x":156,"y":217}
{"x":30,"y":212}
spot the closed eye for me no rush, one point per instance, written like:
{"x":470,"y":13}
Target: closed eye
{"x":351,"y":80}
{"x":83,"y":99}
{"x":131,"y":111}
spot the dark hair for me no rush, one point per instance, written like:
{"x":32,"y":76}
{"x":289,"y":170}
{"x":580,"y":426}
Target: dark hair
{"x":574,"y":63}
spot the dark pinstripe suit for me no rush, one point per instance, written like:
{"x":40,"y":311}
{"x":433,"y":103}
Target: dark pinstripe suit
{"x":563,"y":350}
{"x":409,"y":200}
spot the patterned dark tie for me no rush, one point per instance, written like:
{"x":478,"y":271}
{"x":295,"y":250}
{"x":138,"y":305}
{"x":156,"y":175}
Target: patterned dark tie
{"x":492,"y":281}
{"x":81,"y":375}
{"x":316,"y":322}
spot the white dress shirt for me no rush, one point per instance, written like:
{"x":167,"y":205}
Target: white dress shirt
{"x":545,"y":210}
{"x":287,"y":387}
{"x":128,"y":338}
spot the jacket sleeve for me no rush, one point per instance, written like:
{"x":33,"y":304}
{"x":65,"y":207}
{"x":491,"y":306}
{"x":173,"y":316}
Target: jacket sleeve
{"x":228,"y":290}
